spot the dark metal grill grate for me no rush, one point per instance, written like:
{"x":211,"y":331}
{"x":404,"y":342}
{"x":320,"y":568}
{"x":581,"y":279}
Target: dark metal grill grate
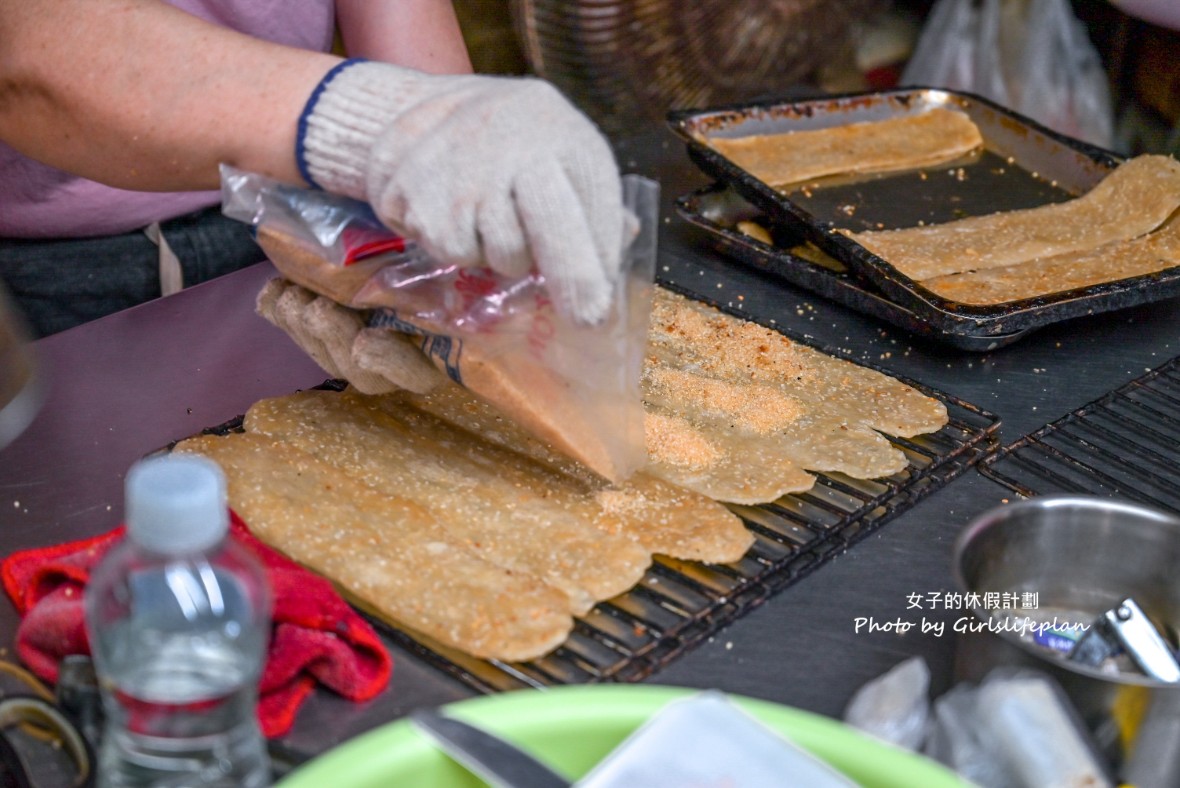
{"x":678,"y":604}
{"x":1125,"y":444}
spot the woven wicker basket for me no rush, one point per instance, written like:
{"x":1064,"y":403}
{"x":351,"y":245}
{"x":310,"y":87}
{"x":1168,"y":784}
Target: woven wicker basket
{"x":624,"y":61}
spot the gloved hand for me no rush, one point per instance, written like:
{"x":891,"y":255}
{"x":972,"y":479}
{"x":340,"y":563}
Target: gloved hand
{"x":480,"y":170}
{"x":373,"y":360}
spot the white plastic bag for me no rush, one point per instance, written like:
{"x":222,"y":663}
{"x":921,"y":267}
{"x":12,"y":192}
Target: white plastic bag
{"x":706,"y":740}
{"x":1032,"y":56}
{"x":895,"y":706}
{"x":1016,"y":729}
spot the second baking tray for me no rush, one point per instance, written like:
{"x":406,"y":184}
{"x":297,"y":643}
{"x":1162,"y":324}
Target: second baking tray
{"x":1023,"y":165}
{"x":718,"y":209}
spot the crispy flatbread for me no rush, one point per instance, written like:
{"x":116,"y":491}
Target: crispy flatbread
{"x":805,"y":410}
{"x":437,"y":513}
{"x":423,"y":460}
{"x":1147,"y":254}
{"x":719,"y":464}
{"x":735,"y":412}
{"x":665,"y":518}
{"x":385,"y":551}
{"x":749,"y":407}
{"x":907,"y":142}
{"x":1131,"y":201}
{"x":717,"y":436}
{"x":671,"y":520}
{"x":688,"y":334}
{"x":829,"y":443}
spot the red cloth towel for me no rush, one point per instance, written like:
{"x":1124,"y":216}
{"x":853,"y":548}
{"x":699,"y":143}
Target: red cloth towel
{"x":317,"y":637}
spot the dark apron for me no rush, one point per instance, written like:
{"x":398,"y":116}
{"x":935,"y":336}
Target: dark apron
{"x":61,"y":283}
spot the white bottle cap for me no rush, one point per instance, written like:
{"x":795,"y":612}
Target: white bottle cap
{"x":176,"y":504}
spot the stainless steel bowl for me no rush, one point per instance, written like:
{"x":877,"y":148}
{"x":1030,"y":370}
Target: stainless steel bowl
{"x":1086,"y":554}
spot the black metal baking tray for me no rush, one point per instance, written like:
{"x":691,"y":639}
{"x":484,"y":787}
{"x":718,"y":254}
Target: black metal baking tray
{"x":1023,"y":165}
{"x":718,"y":209}
{"x":1125,"y":444}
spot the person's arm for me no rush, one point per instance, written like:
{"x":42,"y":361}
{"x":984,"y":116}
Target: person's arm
{"x":480,"y":170}
{"x":139,"y":95}
{"x":419,"y":34}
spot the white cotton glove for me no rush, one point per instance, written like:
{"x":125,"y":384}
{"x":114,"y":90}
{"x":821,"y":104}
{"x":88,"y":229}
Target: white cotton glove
{"x":495,"y":171}
{"x":373,"y":360}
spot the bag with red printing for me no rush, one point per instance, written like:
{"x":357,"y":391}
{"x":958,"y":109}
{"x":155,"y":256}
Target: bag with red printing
{"x":576,"y":387}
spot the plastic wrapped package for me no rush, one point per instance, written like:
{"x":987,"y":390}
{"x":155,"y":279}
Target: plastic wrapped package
{"x":1016,"y":729}
{"x":894,"y":706}
{"x":706,"y":740}
{"x":954,"y":740}
{"x":574,"y":386}
{"x":1032,"y":56}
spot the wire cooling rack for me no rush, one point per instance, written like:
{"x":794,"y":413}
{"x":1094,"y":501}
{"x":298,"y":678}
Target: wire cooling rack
{"x":679,"y":604}
{"x":1125,"y":444}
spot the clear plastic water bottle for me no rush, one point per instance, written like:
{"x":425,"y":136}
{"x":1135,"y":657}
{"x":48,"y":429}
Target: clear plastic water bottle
{"x":178,"y":616}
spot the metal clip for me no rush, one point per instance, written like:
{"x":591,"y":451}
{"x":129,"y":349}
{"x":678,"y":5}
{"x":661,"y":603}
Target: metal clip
{"x":1127,"y":628}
